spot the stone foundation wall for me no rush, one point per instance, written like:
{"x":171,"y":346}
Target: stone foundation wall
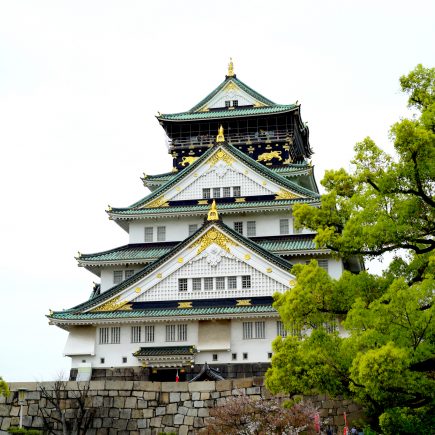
{"x":150,"y":408}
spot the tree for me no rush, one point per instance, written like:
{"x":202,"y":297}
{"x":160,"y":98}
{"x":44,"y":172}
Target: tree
{"x":386,"y":360}
{"x":4,"y":389}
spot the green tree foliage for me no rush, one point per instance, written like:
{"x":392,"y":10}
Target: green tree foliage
{"x":4,"y":389}
{"x":386,"y":358}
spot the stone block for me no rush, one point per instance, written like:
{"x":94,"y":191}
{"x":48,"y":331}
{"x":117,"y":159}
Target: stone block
{"x":148,"y":412}
{"x":253,"y":390}
{"x":161,"y":410}
{"x":118,"y":402}
{"x":124,"y":393}
{"x":15,"y":410}
{"x":202,"y":386}
{"x":215,"y":395}
{"x":136,"y":413}
{"x":196,"y":395}
{"x":156,"y":422}
{"x":174,"y":397}
{"x":221,"y":402}
{"x":37,"y":422}
{"x":131,"y":426}
{"x":258,"y":381}
{"x":198,"y":422}
{"x":120,"y":424}
{"x":119,"y":385}
{"x":142,"y":404}
{"x":171,"y":408}
{"x":203,"y":412}
{"x":27,"y":421}
{"x":112,"y":393}
{"x":182,"y":410}
{"x":164,"y":398}
{"x":178,"y":419}
{"x":114,"y":412}
{"x":147,"y":386}
{"x":238,"y":391}
{"x":198,"y":403}
{"x":142,"y":423}
{"x":97,"y":422}
{"x":242,"y":383}
{"x":188,"y":420}
{"x":97,"y":401}
{"x":183,"y":430}
{"x":108,"y":402}
{"x":184,"y":396}
{"x":97,"y":385}
{"x":130,"y":402}
{"x":33,"y":395}
{"x":205,"y":395}
{"x":169,"y":429}
{"x":125,"y":413}
{"x":6,"y":423}
{"x":149,"y":395}
{"x":168,"y":420}
{"x":224,"y":385}
{"x":192,"y":412}
{"x":187,"y":404}
{"x":174,"y":386}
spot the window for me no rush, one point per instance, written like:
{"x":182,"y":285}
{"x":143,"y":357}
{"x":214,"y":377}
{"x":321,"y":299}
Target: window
{"x":236,"y":191}
{"x":284,"y":226}
{"x":227,"y":103}
{"x":192,"y":228}
{"x":233,"y":356}
{"x":104,"y":335}
{"x":254,"y":330}
{"x":232,"y":282}
{"x":251,"y":228}
{"x":117,"y":276}
{"x":220,"y":283}
{"x":129,"y":273}
{"x":227,"y":192}
{"x":280,"y":330}
{"x":206,"y":193}
{"x":323,"y":264}
{"x":170,"y":333}
{"x":238,"y":226}
{"x":235,"y":103}
{"x":196,"y":284}
{"x":208,"y":284}
{"x":149,"y":234}
{"x":115,"y":334}
{"x":136,"y":334}
{"x":182,"y":284}
{"x":124,"y":359}
{"x":182,"y":332}
{"x":216,"y":192}
{"x":269,"y":355}
{"x":161,"y":234}
{"x":215,"y":357}
{"x":102,"y":360}
{"x":246,"y":281}
{"x":148,"y":334}
{"x":245,"y":356}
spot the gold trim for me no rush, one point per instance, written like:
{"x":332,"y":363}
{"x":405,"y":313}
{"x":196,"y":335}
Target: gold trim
{"x":240,"y":200}
{"x":284,"y":194}
{"x":213,"y":213}
{"x":267,"y":157}
{"x":180,"y":259}
{"x":184,"y":304}
{"x":243,"y":303}
{"x":213,"y":235}
{"x":247,"y":257}
{"x":269,"y":269}
{"x":159,"y":276}
{"x":220,"y":136}
{"x":137,"y":290}
{"x":221,"y":155}
{"x":188,"y":160}
{"x":203,"y":202}
{"x":159,"y":202}
{"x":113,"y":305}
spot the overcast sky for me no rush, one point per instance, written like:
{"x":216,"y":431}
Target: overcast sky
{"x":81,"y":82}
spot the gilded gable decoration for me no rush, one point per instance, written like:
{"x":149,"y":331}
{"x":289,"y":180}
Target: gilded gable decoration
{"x":213,"y":236}
{"x":162,"y":201}
{"x":113,"y":305}
{"x":284,"y":194}
{"x":221,"y":155}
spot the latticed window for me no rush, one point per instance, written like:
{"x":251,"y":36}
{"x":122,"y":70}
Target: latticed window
{"x":236,"y":191}
{"x":170,"y":333}
{"x":117,"y":276}
{"x":196,"y":284}
{"x":232,"y":282}
{"x":136,"y":334}
{"x":238,"y":226}
{"x":220,"y":283}
{"x":280,"y":330}
{"x":182,"y":332}
{"x":254,"y":330}
{"x":260,"y":330}
{"x":247,"y":330}
{"x":216,"y":192}
{"x":284,"y":226}
{"x":182,"y":284}
{"x":323,"y":264}
{"x":192,"y":228}
{"x":227,"y":192}
{"x":148,"y":234}
{"x":246,"y":281}
{"x":104,"y":335}
{"x":206,"y":193}
{"x":235,"y":103}
{"x":251,"y":228}
{"x":148,"y":334}
{"x":227,"y":103}
{"x":115,"y":334}
{"x":208,"y":284}
{"x":161,"y":234}
{"x":129,"y":273}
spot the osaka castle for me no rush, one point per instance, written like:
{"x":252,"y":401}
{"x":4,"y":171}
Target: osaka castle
{"x":190,"y":296}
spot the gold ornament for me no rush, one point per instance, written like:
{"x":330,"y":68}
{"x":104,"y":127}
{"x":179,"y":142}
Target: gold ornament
{"x":113,"y":305}
{"x":284,"y":194}
{"x":159,"y":202}
{"x":267,"y":157}
{"x":184,"y":304}
{"x":247,"y":257}
{"x":213,"y":236}
{"x":243,"y":303}
{"x":230,"y":68}
{"x":213,"y":213}
{"x":220,"y":137}
{"x":221,"y":155}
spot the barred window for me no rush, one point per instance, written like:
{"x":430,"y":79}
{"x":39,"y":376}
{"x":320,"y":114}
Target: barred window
{"x":216,"y":192}
{"x":148,"y":334}
{"x":220,"y":283}
{"x":280,"y":330}
{"x":115,"y":334}
{"x":104,"y":335}
{"x":161,"y":234}
{"x":246,"y":281}
{"x":206,"y":193}
{"x":192,"y":228}
{"x":182,"y":284}
{"x":232,"y":282}
{"x":236,"y":191}
{"x":260,"y":330}
{"x":170,"y":333}
{"x":208,"y":284}
{"x":254,"y":330}
{"x":129,"y":273}
{"x":227,"y":103}
{"x":235,"y":103}
{"x":136,"y":334}
{"x":238,"y":226}
{"x":149,"y":234}
{"x":227,"y":192}
{"x":284,"y":226}
{"x":323,"y":264}
{"x":247,"y":330}
{"x":117,"y":276}
{"x":196,"y":284}
{"x":182,"y":332}
{"x":251,"y":228}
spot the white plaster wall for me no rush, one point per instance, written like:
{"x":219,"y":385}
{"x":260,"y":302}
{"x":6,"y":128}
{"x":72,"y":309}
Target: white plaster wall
{"x":335,"y":267}
{"x":107,"y":275}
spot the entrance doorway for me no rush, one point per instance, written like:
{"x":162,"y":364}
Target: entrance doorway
{"x":167,"y":375}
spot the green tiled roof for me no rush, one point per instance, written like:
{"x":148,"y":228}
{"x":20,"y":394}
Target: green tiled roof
{"x":301,"y":244}
{"x":165,"y":350}
{"x":134,"y":314}
{"x":225,"y":113}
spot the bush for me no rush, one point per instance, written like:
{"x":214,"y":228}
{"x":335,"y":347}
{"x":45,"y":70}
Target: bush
{"x":18,"y":430}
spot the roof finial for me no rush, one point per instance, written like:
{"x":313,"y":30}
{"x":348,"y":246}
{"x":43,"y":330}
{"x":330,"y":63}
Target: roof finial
{"x":230,"y":68}
{"x":213,"y":213}
{"x":220,"y":137}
